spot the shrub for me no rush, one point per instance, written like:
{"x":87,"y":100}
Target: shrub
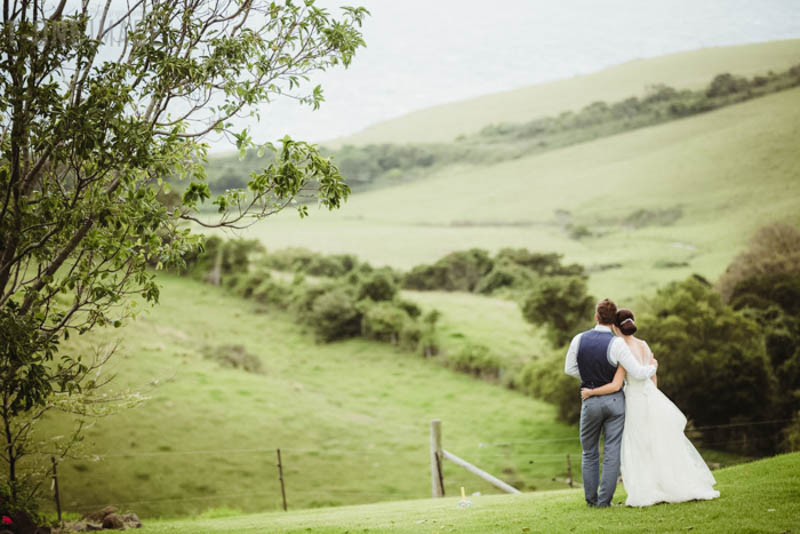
{"x":545,"y":264}
{"x":303,"y":297}
{"x":410,"y":307}
{"x":426,"y":278}
{"x":233,"y":255}
{"x":245,"y":284}
{"x":506,"y":274}
{"x":384,"y":321}
{"x":466,"y":268}
{"x":378,"y":286}
{"x":273,"y":292}
{"x":476,"y":360}
{"x":726,"y":84}
{"x":411,"y":335}
{"x":332,"y":266}
{"x":773,"y":249}
{"x":334,"y":315}
{"x":235,"y":356}
{"x":292,"y":259}
{"x":561,"y":304}
{"x":544,"y":378}
{"x":578,"y":232}
{"x":458,"y":271}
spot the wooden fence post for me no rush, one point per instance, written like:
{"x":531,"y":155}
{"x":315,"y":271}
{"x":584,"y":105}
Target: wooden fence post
{"x":280,"y":477}
{"x":569,"y":471}
{"x":437,"y":478}
{"x":55,"y":489}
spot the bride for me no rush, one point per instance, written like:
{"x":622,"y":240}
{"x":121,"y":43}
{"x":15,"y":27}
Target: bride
{"x":658,"y":462}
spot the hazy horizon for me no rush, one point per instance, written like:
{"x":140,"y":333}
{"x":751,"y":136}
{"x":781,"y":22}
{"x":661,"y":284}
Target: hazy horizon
{"x":481,"y":50}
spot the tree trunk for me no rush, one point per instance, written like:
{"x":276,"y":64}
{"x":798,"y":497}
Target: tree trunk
{"x":12,"y":457}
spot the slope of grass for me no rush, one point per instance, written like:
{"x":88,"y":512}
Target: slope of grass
{"x":755,"y":497}
{"x":476,"y":319}
{"x":727,"y":172}
{"x":684,"y":70}
{"x":351,"y":419}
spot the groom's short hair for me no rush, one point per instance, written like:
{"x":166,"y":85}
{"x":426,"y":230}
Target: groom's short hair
{"x":606,"y":311}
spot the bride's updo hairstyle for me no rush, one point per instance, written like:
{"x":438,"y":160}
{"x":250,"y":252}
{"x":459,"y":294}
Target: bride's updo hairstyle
{"x":625,"y":321}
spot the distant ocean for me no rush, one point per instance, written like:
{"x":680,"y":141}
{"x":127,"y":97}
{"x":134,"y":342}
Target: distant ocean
{"x":421,"y":53}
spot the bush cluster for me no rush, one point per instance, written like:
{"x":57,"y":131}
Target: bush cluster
{"x":723,"y":361}
{"x":476,"y":271}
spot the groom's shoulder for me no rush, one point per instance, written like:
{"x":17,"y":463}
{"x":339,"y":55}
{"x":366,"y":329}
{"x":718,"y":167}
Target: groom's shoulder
{"x":577,"y":337}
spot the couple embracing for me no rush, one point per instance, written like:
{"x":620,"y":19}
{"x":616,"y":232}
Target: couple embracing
{"x":643,"y":429}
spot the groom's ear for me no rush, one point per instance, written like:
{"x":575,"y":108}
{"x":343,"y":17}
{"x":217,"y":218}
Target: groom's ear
{"x":596,"y":317}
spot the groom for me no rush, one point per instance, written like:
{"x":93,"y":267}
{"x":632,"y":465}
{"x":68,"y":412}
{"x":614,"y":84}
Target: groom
{"x":593,"y":357}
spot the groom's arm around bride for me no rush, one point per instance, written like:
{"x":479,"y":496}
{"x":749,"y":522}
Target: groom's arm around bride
{"x":593,"y":357}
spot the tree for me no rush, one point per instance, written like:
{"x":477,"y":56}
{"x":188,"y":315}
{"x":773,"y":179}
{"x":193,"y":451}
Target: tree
{"x":561,"y":304}
{"x":712,"y":359}
{"x":99,"y":113}
{"x":774,"y":249}
{"x":774,"y":302}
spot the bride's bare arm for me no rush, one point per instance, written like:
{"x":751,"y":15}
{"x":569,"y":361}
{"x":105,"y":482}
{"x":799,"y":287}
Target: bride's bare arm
{"x":612,"y":387}
{"x":654,"y":378}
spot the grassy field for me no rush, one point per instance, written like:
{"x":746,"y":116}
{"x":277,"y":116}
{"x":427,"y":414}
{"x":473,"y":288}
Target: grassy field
{"x":727,"y":173}
{"x":352,"y":418}
{"x":684,"y":70}
{"x":493,"y":322}
{"x":759,"y":497}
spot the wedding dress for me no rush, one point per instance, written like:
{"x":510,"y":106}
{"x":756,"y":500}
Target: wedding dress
{"x":658,"y":462}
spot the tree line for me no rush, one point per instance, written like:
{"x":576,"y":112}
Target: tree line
{"x":378,"y":165}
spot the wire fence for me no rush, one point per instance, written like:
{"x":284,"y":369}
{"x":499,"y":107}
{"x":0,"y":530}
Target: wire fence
{"x":519,"y":451}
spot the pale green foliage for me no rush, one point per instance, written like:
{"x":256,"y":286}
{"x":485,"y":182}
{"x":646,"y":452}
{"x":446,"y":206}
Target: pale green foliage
{"x":773,"y":249}
{"x":90,"y":133}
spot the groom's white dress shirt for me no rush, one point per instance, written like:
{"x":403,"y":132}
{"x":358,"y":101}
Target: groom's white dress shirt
{"x":618,"y":354}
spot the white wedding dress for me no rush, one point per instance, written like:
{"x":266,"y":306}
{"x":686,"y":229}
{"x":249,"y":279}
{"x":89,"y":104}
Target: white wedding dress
{"x":658,"y":462}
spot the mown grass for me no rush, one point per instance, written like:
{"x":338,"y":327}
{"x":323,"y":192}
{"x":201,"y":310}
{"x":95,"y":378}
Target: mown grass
{"x":351,"y":418}
{"x":759,"y":497}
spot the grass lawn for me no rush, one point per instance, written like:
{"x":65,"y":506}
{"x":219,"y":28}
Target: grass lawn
{"x":758,"y":497}
{"x":351,"y":418}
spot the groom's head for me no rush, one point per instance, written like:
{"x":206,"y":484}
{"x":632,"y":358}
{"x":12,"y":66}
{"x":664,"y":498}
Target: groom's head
{"x":606,"y":312}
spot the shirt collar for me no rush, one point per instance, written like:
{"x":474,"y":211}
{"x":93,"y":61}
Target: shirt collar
{"x":602,"y":328}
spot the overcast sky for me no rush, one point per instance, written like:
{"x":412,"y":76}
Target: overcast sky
{"x":426,"y":52}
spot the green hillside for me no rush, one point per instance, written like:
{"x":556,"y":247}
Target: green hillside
{"x":351,"y":418}
{"x":724,"y":174}
{"x":755,"y":497}
{"x":685,"y":70}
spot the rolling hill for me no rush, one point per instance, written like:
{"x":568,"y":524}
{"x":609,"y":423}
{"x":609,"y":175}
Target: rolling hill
{"x":688,"y":70}
{"x":724,"y":174}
